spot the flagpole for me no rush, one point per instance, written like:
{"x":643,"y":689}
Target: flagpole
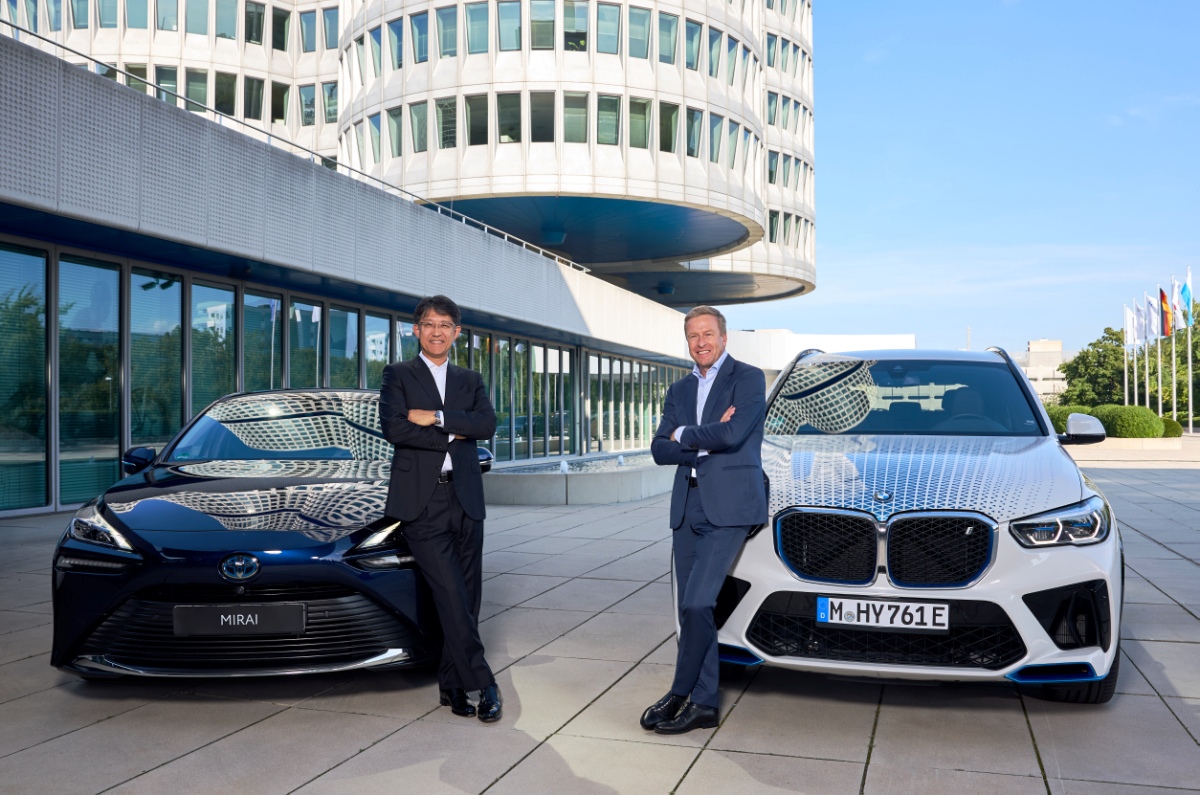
{"x":1146,"y":349}
{"x":1125,"y":355}
{"x":1135,"y":377}
{"x":1158,"y":340}
{"x":1190,"y":320}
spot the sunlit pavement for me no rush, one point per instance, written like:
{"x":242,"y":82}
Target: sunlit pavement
{"x":577,"y":623}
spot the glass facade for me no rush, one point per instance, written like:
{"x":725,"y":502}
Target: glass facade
{"x":141,"y":348}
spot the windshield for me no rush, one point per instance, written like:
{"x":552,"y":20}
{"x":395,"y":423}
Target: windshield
{"x":830,"y":394}
{"x":287,"y":426}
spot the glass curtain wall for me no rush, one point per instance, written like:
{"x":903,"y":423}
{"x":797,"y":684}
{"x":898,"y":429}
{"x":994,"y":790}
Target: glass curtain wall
{"x":502,"y":399}
{"x":377,"y":333}
{"x":89,"y":394}
{"x":214,"y":346}
{"x":262,"y":323}
{"x":305,"y":351}
{"x":343,"y":348}
{"x":155,"y":357}
{"x":520,"y":393}
{"x":23,"y":433}
{"x":538,"y":393}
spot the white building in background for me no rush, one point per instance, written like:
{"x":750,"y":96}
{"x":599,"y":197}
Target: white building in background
{"x":667,"y":146}
{"x":1040,"y":361}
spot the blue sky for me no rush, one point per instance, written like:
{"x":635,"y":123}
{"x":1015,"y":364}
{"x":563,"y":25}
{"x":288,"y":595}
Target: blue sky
{"x":1022,"y":167}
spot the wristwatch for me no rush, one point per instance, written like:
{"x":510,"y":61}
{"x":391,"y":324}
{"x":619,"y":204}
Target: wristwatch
{"x":437,"y":418}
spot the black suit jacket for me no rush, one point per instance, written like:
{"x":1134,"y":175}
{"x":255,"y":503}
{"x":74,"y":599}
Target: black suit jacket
{"x":420,"y":451}
{"x":730,"y":477}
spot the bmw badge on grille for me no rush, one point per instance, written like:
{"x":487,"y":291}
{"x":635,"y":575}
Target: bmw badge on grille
{"x":882,"y":496}
{"x":239,"y":567}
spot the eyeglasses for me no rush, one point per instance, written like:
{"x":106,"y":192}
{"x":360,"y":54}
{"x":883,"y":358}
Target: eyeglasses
{"x":431,"y":327}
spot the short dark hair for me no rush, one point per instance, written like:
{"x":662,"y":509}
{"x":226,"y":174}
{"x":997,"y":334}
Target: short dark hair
{"x":706,"y":310}
{"x":440,"y":304}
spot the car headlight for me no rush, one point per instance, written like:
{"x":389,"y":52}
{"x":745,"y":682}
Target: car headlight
{"x":378,"y":537}
{"x":1085,"y":523}
{"x":90,"y":527}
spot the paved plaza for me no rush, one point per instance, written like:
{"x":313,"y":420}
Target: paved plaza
{"x":578,"y":625}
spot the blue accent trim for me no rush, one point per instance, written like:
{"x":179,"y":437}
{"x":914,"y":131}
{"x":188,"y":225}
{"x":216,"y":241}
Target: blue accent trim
{"x":1029,"y":675}
{"x":738,"y":656}
{"x":783,"y":558}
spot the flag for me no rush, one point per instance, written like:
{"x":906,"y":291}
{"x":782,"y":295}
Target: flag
{"x":1177,"y":318}
{"x":1164,"y":313}
{"x":1152,"y":321}
{"x":1139,"y":323}
{"x":1131,"y":337}
{"x":1185,"y":296}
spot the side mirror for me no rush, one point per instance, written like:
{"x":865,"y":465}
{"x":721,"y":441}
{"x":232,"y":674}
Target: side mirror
{"x":485,"y":459}
{"x":135,"y":459}
{"x":1082,"y":429}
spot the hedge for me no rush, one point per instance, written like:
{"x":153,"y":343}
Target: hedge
{"x":1059,"y":414}
{"x":1129,"y":422}
{"x":1171,"y":428}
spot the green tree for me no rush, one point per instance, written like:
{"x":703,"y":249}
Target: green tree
{"x":1096,"y":375}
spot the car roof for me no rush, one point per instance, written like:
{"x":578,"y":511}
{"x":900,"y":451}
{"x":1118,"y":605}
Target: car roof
{"x":909,"y":354}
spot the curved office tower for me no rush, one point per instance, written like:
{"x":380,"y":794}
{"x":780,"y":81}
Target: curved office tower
{"x":666,"y":146}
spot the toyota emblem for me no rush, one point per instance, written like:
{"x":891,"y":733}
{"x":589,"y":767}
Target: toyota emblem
{"x":239,"y":567}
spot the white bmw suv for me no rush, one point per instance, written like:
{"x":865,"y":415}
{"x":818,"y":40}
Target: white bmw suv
{"x":926,"y":523}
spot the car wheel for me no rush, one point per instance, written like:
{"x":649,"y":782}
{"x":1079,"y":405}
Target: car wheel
{"x":1099,"y":692}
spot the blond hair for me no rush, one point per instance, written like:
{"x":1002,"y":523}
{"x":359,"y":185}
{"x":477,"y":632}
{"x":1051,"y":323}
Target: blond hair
{"x":706,"y":310}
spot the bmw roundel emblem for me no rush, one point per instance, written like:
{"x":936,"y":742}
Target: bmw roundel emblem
{"x":882,"y":496}
{"x":239,"y":567}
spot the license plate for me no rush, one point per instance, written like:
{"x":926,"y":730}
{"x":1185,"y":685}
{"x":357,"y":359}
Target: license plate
{"x":271,"y":619}
{"x":876,"y":614}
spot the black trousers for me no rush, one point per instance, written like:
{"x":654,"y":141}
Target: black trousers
{"x":448,"y":547}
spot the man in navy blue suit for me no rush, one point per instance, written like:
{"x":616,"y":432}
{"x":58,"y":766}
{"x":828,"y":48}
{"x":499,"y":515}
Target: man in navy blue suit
{"x":712,"y":431}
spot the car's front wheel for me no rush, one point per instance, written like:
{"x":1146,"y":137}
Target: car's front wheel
{"x":1098,"y":692}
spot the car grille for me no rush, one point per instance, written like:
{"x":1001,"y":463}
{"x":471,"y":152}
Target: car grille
{"x":981,"y":636}
{"x":937,"y":550}
{"x":343,"y":626}
{"x":828,"y":546}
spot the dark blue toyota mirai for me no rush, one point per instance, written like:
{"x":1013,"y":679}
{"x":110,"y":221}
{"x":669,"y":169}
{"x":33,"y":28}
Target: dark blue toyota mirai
{"x":255,"y":544}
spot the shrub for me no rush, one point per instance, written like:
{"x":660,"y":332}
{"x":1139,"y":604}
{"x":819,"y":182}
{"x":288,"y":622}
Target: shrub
{"x":1171,"y":428}
{"x":1059,"y":414}
{"x":1129,"y":422}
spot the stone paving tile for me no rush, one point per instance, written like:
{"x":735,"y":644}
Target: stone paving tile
{"x":643,"y":566}
{"x":954,"y":727}
{"x":613,"y":636}
{"x":550,"y":545}
{"x":789,"y":713}
{"x":28,"y":676}
{"x":127,"y":745}
{"x":503,"y":561}
{"x":302,"y":745}
{"x":403,"y":695}
{"x":589,"y":766}
{"x":736,"y":773}
{"x":583,"y":594}
{"x":515,"y":633}
{"x":495,"y":542}
{"x":12,"y":621}
{"x":1067,"y":787}
{"x":1126,"y":741}
{"x":569,"y":564}
{"x":653,"y":599}
{"x":888,"y":780}
{"x":429,"y":757}
{"x":512,"y":589}
{"x":25,"y":643}
{"x":1171,"y":668}
{"x":1187,"y":711}
{"x":283,"y":690}
{"x":1160,"y":622}
{"x":615,"y":715}
{"x":1131,"y":681}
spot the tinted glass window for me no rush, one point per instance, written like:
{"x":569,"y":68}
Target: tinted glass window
{"x":287,"y":426}
{"x":844,"y":394}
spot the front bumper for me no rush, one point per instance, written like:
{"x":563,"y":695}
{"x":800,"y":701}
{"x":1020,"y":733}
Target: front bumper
{"x":994,"y":601}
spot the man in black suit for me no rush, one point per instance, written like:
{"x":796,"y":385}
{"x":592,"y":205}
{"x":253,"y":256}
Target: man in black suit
{"x":712,"y":432}
{"x":433,"y":412}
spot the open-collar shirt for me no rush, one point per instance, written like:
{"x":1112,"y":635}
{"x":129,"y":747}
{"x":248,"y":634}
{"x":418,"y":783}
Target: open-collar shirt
{"x":439,"y":377}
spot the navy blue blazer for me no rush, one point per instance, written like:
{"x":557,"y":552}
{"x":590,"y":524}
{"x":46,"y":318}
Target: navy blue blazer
{"x":730,"y":477}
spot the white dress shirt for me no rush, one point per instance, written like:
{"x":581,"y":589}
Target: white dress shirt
{"x":439,"y":377}
{"x":702,"y":389}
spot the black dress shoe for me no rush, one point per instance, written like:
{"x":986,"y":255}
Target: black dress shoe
{"x":456,"y":699}
{"x":692,"y":716}
{"x":490,"y":703}
{"x":665,"y":708}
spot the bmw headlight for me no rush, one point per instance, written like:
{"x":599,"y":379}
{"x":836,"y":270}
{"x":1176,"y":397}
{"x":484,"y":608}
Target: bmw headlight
{"x":90,"y":527}
{"x":1085,"y":523}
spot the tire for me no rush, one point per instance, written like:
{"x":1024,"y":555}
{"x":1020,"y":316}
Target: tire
{"x":1099,"y":692}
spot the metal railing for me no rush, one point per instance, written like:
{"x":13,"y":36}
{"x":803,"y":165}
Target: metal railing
{"x":260,"y":134}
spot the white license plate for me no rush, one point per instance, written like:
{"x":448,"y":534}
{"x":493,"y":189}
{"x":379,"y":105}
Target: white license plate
{"x":876,"y":614}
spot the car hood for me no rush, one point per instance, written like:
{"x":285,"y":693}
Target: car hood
{"x":1001,"y":477}
{"x":320,"y":500}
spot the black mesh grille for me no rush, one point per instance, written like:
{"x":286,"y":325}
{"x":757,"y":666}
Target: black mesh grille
{"x":829,"y":546}
{"x":937,"y":550}
{"x":981,"y":636}
{"x":343,"y":626}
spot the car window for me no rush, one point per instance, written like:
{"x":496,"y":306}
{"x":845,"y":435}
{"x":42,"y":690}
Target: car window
{"x":287,"y":426}
{"x":842,"y":394}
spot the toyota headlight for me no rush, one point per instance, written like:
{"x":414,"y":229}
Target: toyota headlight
{"x":1085,"y":523}
{"x":379,"y":537}
{"x":90,"y":527}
